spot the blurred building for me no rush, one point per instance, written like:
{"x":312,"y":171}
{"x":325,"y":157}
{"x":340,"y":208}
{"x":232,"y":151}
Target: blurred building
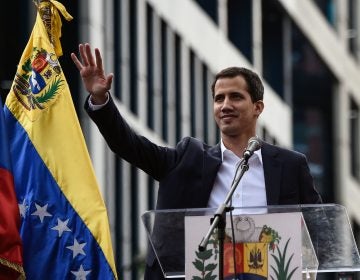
{"x":164,"y":54}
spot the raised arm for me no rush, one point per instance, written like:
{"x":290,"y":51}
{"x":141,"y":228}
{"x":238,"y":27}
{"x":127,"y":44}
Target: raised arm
{"x":92,"y":73}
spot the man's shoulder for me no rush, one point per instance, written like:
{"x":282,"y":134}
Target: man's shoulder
{"x":195,"y":144}
{"x":276,"y":150}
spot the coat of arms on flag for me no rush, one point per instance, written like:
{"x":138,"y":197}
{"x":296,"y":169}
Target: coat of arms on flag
{"x":38,"y":81}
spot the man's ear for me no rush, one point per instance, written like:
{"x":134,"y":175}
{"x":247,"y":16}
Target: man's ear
{"x":259,"y":107}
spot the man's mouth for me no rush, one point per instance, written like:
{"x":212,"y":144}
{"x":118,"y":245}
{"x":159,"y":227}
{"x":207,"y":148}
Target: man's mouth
{"x":227,"y":117}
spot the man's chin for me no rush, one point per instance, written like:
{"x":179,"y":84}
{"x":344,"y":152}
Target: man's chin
{"x":229,"y":131}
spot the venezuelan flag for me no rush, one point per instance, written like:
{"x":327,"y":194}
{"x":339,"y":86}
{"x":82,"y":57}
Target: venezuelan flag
{"x":11,"y":263}
{"x":64,"y":223}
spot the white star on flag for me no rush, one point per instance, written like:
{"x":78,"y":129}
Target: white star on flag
{"x":23,"y":208}
{"x":77,"y":248}
{"x":61,"y":226}
{"x":81,"y":273}
{"x":41,"y":212}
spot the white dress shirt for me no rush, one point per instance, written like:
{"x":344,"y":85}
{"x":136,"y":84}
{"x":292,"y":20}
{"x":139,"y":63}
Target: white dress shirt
{"x":251,"y":188}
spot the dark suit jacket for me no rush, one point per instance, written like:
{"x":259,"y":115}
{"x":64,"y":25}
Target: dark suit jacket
{"x":186,"y":173}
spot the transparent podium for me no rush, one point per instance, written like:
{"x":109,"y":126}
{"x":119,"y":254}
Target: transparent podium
{"x":327,"y":241}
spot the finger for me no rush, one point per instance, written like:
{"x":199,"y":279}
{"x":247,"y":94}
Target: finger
{"x":109,"y":80}
{"x":83,"y":55}
{"x":99,"y":62}
{"x":89,"y":55}
{"x":76,"y":61}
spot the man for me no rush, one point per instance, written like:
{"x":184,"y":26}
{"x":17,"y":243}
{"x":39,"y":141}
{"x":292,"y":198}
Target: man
{"x":193,"y":174}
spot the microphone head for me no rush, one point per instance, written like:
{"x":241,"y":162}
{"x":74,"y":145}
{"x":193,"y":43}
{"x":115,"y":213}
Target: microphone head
{"x":255,"y":143}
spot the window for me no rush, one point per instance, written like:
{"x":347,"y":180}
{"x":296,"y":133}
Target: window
{"x":150,"y":69}
{"x":164,"y":79}
{"x":313,"y":90}
{"x":354,"y":139}
{"x":210,"y":7}
{"x":133,"y":57}
{"x":273,"y":51}
{"x":353,"y":30}
{"x":240,"y":25}
{"x":178,"y":86}
{"x":327,"y":7}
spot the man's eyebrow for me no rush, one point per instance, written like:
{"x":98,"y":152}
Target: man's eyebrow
{"x":237,"y":92}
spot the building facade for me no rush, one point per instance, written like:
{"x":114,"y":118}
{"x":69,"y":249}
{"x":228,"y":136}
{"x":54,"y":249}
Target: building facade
{"x":165,"y":53}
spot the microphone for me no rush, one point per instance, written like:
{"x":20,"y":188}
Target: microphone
{"x":254,"y":144}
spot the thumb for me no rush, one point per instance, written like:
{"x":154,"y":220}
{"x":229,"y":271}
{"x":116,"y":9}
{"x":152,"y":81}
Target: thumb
{"x":109,"y":80}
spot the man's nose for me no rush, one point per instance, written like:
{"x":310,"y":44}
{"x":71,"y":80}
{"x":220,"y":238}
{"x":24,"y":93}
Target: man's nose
{"x":226,"y":104}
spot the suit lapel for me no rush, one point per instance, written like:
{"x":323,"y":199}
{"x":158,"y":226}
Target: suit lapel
{"x":212,"y":162}
{"x":272,"y":173}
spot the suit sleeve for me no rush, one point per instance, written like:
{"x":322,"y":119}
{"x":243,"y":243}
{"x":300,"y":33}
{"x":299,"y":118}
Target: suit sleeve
{"x":153,"y":159}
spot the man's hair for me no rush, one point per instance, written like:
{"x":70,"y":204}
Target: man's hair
{"x":253,"y":81}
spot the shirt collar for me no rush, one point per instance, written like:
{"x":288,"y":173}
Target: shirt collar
{"x":223,"y":149}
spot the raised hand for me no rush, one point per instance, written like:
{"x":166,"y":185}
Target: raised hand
{"x":96,"y":82}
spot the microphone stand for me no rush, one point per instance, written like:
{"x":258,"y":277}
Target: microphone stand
{"x":219,"y":219}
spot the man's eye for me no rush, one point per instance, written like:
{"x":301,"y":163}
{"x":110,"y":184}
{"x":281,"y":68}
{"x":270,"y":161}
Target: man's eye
{"x":237,"y":96}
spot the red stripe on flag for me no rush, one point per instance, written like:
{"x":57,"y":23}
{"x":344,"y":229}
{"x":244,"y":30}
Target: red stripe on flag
{"x":10,"y":241}
{"x":229,"y":259}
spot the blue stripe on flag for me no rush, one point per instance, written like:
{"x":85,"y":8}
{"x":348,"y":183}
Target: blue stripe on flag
{"x":4,"y":153}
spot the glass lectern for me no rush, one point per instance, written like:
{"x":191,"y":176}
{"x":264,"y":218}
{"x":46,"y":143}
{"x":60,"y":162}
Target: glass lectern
{"x":328,"y":243}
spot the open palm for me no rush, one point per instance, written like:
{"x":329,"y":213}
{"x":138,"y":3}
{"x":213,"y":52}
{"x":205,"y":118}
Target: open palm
{"x":92,"y":71}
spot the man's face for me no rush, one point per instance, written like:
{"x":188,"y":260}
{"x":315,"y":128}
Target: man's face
{"x":234,"y":111}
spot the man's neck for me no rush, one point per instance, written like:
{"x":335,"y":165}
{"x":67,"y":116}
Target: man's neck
{"x":236,"y":144}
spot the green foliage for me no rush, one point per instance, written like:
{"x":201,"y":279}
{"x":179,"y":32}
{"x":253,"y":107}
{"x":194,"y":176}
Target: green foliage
{"x":50,"y":92}
{"x":268,"y":235}
{"x":26,"y":67}
{"x":282,"y":270}
{"x":206,"y":269}
{"x":205,"y":255}
{"x":210,"y":266}
{"x":214,"y":242}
